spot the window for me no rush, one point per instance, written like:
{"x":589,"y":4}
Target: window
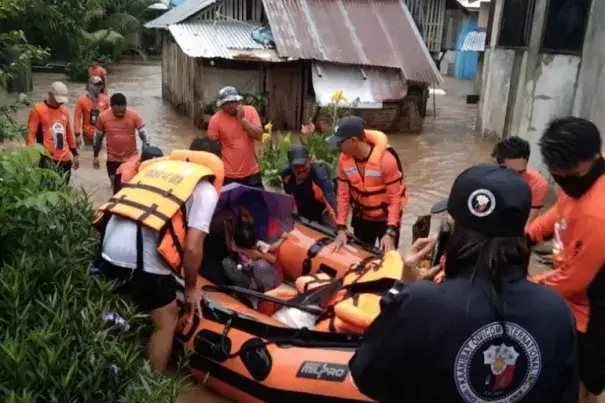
{"x":565,"y":25}
{"x":516,"y":23}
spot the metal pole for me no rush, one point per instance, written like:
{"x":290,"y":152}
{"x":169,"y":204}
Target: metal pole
{"x":434,"y":102}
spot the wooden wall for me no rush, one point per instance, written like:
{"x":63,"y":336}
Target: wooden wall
{"x":181,"y":79}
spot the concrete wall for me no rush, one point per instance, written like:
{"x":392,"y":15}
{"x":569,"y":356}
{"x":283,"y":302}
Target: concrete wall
{"x":590,"y":94}
{"x":524,"y":89}
{"x":483,"y":14}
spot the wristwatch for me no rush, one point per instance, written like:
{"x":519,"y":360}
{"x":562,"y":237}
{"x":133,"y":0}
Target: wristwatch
{"x":391,"y":231}
{"x":341,"y":227}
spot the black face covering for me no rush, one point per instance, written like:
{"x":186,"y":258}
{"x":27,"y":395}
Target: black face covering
{"x":576,"y":186}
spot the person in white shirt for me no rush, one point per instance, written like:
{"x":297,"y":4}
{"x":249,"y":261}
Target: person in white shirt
{"x":154,"y":288}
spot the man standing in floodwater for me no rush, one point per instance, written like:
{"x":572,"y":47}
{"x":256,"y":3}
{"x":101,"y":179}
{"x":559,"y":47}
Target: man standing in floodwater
{"x":96,"y":69}
{"x":49,"y":125}
{"x":513,"y":153}
{"x":571,"y":149}
{"x":370,"y":182}
{"x":120,"y":124}
{"x":88,"y":108}
{"x":236,"y":127}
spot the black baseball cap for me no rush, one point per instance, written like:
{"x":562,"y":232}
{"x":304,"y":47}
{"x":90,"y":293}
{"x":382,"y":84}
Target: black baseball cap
{"x":347,"y":127}
{"x":298,"y":155}
{"x":490,"y":199}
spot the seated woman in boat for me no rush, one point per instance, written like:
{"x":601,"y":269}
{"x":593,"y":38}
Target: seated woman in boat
{"x":251,"y":265}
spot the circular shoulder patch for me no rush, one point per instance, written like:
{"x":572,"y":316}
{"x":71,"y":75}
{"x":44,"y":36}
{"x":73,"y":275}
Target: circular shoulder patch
{"x":481,"y":203}
{"x":490,"y":368}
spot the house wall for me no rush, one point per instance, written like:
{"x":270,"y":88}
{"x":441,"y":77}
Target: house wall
{"x":181,"y":79}
{"x":398,"y":117}
{"x":523,"y":89}
{"x":590,"y":94}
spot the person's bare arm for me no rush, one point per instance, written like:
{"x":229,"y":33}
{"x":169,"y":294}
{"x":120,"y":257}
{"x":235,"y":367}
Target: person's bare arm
{"x":251,"y":122}
{"x":193,"y":254}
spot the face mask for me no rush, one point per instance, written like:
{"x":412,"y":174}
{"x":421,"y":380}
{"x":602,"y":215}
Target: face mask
{"x":576,"y":186}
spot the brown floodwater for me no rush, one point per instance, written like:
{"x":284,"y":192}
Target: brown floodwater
{"x":430,"y":160}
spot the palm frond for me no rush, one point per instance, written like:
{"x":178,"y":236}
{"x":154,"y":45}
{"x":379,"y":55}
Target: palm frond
{"x":122,"y":23}
{"x":105,"y":36}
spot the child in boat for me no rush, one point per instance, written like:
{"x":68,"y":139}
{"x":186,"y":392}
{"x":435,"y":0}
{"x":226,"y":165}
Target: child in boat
{"x":253,"y":264}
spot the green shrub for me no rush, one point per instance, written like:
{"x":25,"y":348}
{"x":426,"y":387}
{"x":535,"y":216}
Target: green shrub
{"x":54,"y":345}
{"x":77,"y":69}
{"x":274,"y":156}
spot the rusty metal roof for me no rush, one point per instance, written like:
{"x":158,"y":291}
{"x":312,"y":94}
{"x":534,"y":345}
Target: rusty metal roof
{"x":474,"y":42}
{"x":179,"y":13}
{"x":224,"y":39}
{"x":363,"y":32}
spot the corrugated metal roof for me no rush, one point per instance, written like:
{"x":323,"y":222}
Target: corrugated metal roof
{"x":474,"y":42}
{"x":179,"y":13}
{"x":224,"y":39}
{"x":370,"y":85}
{"x":365,"y":32}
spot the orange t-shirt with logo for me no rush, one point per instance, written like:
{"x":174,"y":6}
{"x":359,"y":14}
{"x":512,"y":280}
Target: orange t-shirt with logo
{"x":120,"y":133}
{"x":85,"y":119}
{"x":98,"y":71}
{"x":51,"y":127}
{"x":237,"y":146}
{"x":538,"y":186}
{"x":577,"y":227}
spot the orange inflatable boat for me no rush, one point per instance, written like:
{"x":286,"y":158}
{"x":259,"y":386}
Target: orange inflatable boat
{"x":248,"y":355}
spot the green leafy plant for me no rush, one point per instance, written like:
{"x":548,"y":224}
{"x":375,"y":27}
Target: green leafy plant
{"x":54,"y":344}
{"x":273,"y":156}
{"x":15,"y":56}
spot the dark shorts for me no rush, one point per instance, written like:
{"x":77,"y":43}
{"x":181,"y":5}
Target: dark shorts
{"x":149,"y":291}
{"x":591,"y":360}
{"x":371,"y":231}
{"x":255,"y":181}
{"x":112,"y":167}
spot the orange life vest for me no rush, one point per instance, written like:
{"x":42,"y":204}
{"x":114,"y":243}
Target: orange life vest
{"x":156,"y":198}
{"x":369,"y":193}
{"x":356,"y":304}
{"x":129,"y":169}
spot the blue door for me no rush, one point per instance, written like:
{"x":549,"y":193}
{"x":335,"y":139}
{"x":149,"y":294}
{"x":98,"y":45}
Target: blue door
{"x":465,"y":63}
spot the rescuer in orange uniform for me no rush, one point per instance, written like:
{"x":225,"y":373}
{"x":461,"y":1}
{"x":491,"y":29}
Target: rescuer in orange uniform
{"x":49,"y":125}
{"x":370,"y":180}
{"x":571,"y":149}
{"x":88,"y":108}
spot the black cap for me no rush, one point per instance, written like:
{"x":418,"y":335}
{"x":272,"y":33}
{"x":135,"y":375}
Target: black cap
{"x":347,"y":127}
{"x":150,"y":152}
{"x":490,"y":199}
{"x":298,"y":155}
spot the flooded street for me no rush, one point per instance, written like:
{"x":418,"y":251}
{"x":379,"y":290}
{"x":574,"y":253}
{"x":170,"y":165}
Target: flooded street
{"x":431,"y":160}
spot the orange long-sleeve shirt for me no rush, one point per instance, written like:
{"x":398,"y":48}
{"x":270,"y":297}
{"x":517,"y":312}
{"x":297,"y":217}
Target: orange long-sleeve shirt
{"x":391,"y":173}
{"x":51,"y":127}
{"x":578,"y":230}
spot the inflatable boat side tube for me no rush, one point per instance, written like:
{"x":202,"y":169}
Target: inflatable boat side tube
{"x":278,"y":335}
{"x":332,"y":234}
{"x":258,"y":390}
